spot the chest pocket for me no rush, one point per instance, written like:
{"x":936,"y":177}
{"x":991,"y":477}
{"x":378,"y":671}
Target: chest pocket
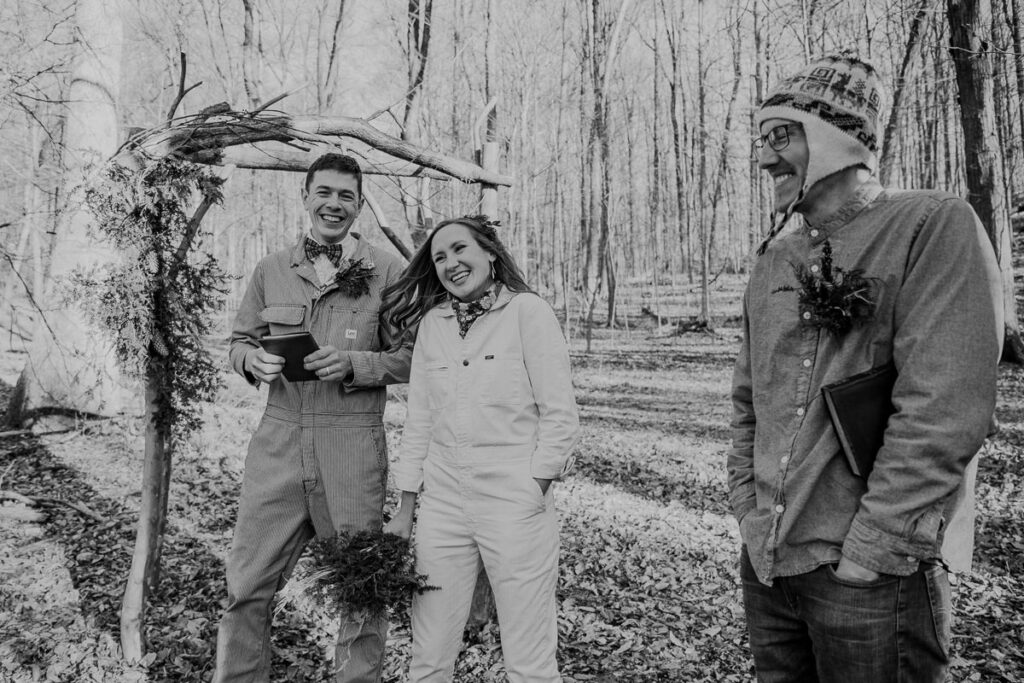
{"x":354,"y":329}
{"x":439,"y":385}
{"x":499,"y":381}
{"x":284,"y":318}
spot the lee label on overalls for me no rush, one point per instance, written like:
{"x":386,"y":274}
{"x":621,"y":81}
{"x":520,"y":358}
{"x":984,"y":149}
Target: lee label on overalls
{"x":350,"y":334}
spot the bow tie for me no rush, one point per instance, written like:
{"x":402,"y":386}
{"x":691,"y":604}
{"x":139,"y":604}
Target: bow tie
{"x":314,"y":249}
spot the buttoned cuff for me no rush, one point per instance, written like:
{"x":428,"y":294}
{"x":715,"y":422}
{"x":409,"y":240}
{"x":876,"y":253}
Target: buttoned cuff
{"x":551,"y":468}
{"x":408,"y":480}
{"x":362,"y":374}
{"x":880,"y":551}
{"x":249,"y":377}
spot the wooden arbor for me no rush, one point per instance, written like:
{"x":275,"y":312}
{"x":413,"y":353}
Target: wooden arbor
{"x":270,"y":141}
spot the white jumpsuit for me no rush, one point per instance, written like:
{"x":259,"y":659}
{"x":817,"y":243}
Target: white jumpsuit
{"x":487,"y":415}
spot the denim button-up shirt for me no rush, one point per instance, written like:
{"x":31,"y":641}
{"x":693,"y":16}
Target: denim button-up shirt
{"x":938,"y":318}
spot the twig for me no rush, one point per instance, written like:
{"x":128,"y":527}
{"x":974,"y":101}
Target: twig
{"x":181,"y":253}
{"x":36,"y":501}
{"x":6,"y":472}
{"x":28,"y":293}
{"x":273,"y":101}
{"x":182,"y":90}
{"x":80,"y":507}
{"x":382,"y":222}
{"x":29,"y":432}
{"x":13,"y":495}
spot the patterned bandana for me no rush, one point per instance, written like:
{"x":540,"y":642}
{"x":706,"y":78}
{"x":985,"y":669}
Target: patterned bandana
{"x":466,"y":313}
{"x":314,"y":249}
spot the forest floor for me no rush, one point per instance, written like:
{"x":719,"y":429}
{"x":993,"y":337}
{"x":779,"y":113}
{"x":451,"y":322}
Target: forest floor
{"x":648,"y":589}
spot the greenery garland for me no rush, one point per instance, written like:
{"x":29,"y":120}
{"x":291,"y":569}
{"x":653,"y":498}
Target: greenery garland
{"x":159,"y":299}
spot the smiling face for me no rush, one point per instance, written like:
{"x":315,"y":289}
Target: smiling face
{"x":333,"y":202}
{"x":788,"y":166}
{"x":462,"y":265}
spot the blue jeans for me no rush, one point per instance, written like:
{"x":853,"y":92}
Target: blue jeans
{"x":819,"y":628}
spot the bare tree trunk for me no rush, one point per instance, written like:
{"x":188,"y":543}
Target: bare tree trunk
{"x":418,"y":47}
{"x":886,"y":156}
{"x":1002,"y":97}
{"x":251,"y":52}
{"x":604,"y":39}
{"x":1017,"y":33}
{"x":677,"y":113}
{"x":970,"y":23}
{"x":702,"y":173}
{"x":71,"y":364}
{"x":720,"y":177}
{"x":144,"y":576}
{"x":326,"y":88}
{"x":657,"y":224}
{"x":757,"y":199}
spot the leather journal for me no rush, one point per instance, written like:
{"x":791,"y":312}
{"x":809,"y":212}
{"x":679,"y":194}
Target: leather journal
{"x":860,"y":407}
{"x":293,"y":347}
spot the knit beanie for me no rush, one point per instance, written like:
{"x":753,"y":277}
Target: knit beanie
{"x":838,"y":101}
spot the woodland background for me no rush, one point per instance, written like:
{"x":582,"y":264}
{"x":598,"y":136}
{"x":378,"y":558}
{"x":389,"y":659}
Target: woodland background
{"x":625,"y":128}
{"x":625,"y":125}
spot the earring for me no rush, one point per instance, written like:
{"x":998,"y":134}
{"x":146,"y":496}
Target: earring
{"x":493,"y":276}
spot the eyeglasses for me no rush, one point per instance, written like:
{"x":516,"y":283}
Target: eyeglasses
{"x":777,"y":138}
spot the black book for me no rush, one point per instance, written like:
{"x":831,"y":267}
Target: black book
{"x":293,"y":347}
{"x":860,"y":407}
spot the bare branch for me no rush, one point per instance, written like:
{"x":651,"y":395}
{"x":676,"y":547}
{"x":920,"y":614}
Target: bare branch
{"x":182,"y":90}
{"x":382,"y":222}
{"x":196,"y":139}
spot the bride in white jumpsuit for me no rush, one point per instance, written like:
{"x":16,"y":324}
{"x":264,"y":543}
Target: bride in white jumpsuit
{"x":492,"y":421}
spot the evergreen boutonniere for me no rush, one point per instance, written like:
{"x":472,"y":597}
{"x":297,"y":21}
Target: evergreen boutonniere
{"x":353,"y":278}
{"x":363,"y":574}
{"x":833,"y":299}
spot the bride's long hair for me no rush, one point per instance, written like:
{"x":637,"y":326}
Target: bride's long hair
{"x":419,"y":289}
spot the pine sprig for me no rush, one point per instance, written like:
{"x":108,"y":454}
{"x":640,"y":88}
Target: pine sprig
{"x":157,"y":305}
{"x":833,"y":299}
{"x":354,"y":278}
{"x":366,"y":572}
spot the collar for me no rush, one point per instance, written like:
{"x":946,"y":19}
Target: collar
{"x":354,"y":247}
{"x":858,"y":201}
{"x":501,"y":299}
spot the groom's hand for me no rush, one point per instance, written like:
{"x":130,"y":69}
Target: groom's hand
{"x":328,"y":363}
{"x":263,"y":365}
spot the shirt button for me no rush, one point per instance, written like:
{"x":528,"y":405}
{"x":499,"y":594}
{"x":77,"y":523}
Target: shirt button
{"x":784,"y":459}
{"x":814,"y":233}
{"x":800,"y":411}
{"x":911,"y":559}
{"x":807,"y":362}
{"x":815,"y":268}
{"x":807,"y":315}
{"x":780,"y":509}
{"x":465,"y":362}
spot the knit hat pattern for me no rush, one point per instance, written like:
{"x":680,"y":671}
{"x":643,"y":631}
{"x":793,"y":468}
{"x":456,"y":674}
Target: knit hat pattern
{"x":838,"y":100}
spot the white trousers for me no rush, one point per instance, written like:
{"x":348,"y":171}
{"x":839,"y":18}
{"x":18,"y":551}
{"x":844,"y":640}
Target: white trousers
{"x":490,"y":512}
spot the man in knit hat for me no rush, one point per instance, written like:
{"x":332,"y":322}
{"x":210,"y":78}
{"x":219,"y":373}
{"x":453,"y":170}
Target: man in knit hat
{"x":845,"y":573}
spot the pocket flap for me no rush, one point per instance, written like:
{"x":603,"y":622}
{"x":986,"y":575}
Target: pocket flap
{"x":283,"y":315}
